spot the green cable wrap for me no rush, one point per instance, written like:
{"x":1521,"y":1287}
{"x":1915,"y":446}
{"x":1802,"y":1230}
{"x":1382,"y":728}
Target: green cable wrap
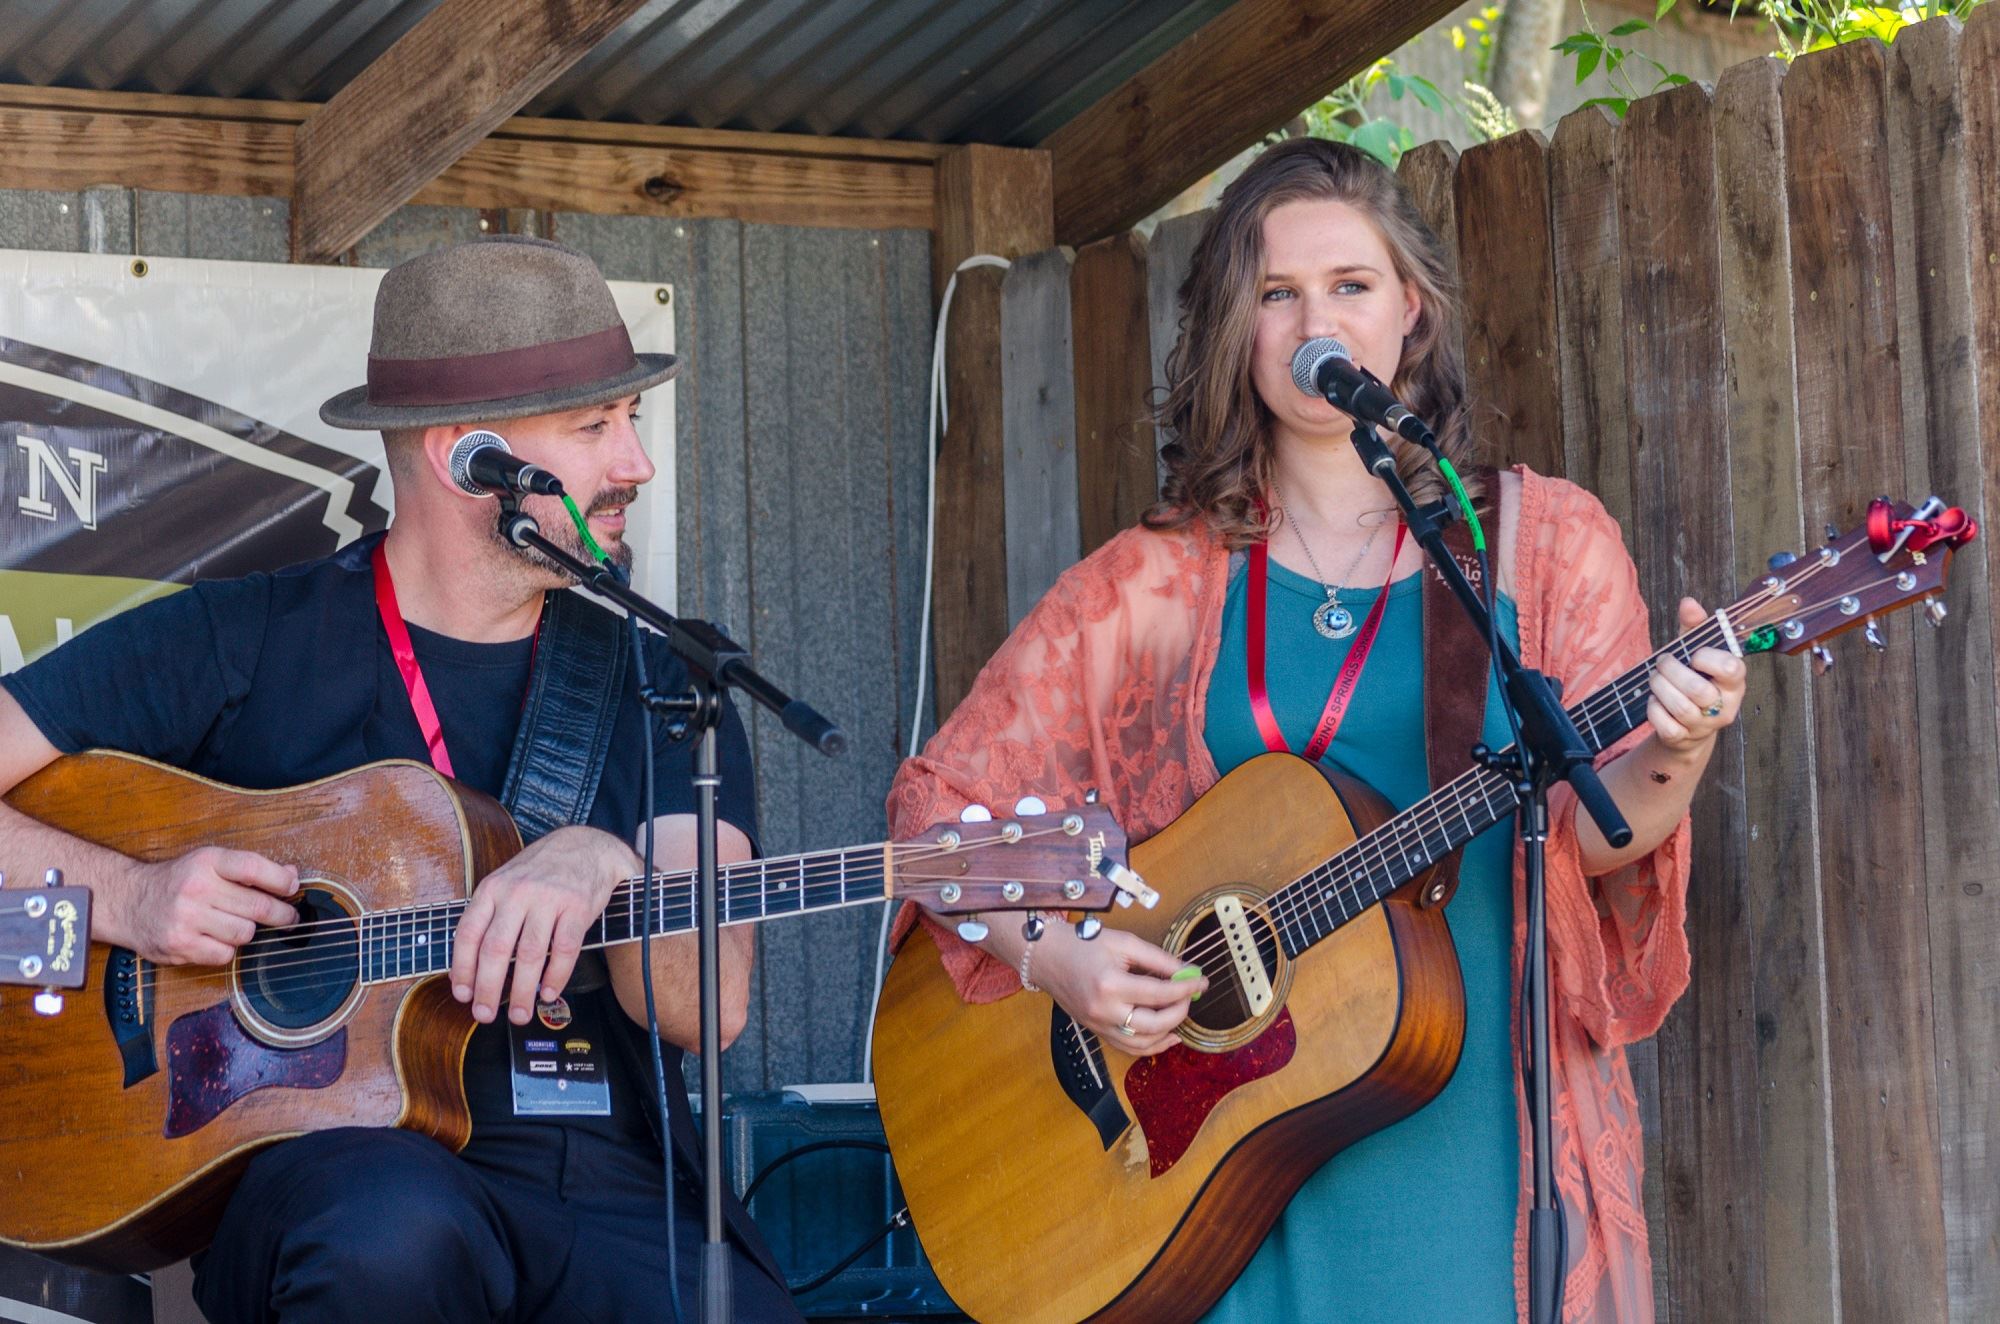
{"x":1464,"y":503}
{"x":583,"y":531}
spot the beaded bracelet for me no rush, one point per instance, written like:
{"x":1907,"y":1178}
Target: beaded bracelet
{"x":1027,"y":955}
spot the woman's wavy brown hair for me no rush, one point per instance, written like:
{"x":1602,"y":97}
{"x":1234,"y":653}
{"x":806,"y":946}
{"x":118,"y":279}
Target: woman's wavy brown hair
{"x":1218,"y":452}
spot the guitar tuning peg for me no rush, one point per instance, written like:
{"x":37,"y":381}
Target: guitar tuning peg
{"x":52,"y":878}
{"x":1821,"y":659}
{"x":1934,"y":611}
{"x":1089,"y":927}
{"x":1779,"y":560}
{"x":1028,"y":806}
{"x":972,"y":930}
{"x":48,"y":1002}
{"x":1090,"y":796}
{"x":1032,"y":928}
{"x":975,"y":814}
{"x":1874,"y":637}
{"x":1832,"y":533}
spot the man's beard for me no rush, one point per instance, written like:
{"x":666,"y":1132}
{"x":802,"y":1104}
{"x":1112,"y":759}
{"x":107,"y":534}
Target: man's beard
{"x":559,"y":529}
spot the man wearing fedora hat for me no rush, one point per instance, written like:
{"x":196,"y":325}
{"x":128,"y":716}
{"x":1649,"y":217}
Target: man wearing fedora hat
{"x":435,"y":641}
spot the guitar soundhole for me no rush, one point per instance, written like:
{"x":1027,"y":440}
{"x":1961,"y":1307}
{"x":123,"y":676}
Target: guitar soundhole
{"x":1225,"y":1006}
{"x":294,"y":978}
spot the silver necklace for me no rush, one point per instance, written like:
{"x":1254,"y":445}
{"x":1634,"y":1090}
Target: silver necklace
{"x":1332,"y":620}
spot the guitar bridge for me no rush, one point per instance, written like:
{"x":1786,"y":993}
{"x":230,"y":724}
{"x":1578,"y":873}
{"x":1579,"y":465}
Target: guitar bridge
{"x":1080,"y":1070}
{"x":128,"y":1006}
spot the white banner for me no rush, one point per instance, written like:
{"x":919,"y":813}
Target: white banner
{"x":159,"y":422}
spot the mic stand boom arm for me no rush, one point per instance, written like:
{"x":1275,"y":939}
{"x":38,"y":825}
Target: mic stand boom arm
{"x":1550,"y":750}
{"x":713,"y":661}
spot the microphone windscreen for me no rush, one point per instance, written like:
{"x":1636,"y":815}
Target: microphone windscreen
{"x":461,"y":458}
{"x":1305,"y":363}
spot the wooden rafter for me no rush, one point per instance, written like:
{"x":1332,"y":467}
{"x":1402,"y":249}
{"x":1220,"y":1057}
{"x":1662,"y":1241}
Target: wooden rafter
{"x":1239,"y":76}
{"x":57,"y":138}
{"x":429,"y":99}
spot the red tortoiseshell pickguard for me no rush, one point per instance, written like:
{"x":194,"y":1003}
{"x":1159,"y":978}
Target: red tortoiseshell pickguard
{"x":1173,"y":1093}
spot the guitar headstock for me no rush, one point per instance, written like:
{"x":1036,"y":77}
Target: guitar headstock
{"x":45,"y":939}
{"x":1896,"y":557}
{"x":1033,"y":860}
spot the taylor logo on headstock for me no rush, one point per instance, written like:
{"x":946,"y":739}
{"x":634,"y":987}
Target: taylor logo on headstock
{"x":1096,"y":849}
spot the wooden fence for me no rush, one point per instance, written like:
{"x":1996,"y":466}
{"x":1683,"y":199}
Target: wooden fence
{"x":1736,"y":317}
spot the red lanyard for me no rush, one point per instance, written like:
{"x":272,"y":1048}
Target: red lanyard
{"x":406,"y":662}
{"x":1343,"y":684}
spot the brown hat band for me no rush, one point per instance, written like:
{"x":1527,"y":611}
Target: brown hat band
{"x":502,"y":375}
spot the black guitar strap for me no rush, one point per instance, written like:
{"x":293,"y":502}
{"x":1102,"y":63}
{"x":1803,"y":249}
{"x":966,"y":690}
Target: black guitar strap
{"x":1455,"y":671}
{"x":565,"y":732}
{"x":566,"y":721}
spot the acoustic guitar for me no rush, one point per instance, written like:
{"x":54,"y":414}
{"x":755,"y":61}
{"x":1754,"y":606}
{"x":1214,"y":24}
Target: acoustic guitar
{"x":127,"y":1129}
{"x":1051,"y":1177}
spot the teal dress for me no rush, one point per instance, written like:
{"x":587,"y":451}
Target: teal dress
{"x":1416,"y":1222}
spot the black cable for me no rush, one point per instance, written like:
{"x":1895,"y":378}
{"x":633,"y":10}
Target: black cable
{"x":900,"y":1221}
{"x":750,"y":1191}
{"x":646,"y":961}
{"x":901,"y":1218}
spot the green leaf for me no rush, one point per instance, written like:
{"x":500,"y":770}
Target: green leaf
{"x":1630,"y":26}
{"x":1618,"y":105}
{"x":1397,"y":85}
{"x":1661,"y":12}
{"x":1586,"y":63}
{"x":1426,"y":92}
{"x":1578,"y":42}
{"x":1381,"y":139}
{"x":1675,"y":80}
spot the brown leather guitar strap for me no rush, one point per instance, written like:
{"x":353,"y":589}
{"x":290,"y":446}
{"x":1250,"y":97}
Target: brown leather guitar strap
{"x":1455,"y":672}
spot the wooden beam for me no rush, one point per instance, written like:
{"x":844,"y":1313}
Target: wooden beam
{"x":989,"y":200}
{"x":1238,"y":77}
{"x":61,"y":139}
{"x":429,"y":99}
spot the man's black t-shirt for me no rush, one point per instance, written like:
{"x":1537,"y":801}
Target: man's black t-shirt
{"x":276,"y":679}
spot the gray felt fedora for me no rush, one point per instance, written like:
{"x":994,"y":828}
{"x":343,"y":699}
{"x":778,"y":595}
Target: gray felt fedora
{"x":494,"y":329}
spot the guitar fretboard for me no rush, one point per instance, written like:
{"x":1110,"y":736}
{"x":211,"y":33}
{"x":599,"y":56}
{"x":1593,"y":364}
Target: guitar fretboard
{"x":1309,"y":908}
{"x":403,"y":944}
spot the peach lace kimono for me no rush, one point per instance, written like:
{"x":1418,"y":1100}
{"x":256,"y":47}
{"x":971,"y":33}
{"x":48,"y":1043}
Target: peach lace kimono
{"x":1103,"y":685}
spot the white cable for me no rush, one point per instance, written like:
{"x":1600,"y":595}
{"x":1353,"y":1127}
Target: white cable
{"x":940,"y":421}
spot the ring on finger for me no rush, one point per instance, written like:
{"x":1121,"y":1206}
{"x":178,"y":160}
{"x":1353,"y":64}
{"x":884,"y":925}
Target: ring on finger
{"x":1125,"y":1026}
{"x":1715,"y":711}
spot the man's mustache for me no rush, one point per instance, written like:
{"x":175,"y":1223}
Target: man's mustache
{"x":611,"y":496}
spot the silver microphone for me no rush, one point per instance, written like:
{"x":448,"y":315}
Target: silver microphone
{"x":483,"y":465}
{"x":1323,"y":368}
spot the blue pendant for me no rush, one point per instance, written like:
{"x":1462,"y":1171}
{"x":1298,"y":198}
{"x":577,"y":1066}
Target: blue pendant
{"x":1333,"y":620}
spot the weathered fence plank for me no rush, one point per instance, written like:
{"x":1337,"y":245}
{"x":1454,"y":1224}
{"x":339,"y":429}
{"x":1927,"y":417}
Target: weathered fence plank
{"x":1959,"y":746}
{"x":1880,"y":1020}
{"x":1506,"y":252}
{"x":1583,"y":211}
{"x":1780,"y":805}
{"x":1683,"y":541}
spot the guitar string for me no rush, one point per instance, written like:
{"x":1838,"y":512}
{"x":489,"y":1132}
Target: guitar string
{"x":1632,"y":687}
{"x":628,"y":890}
{"x":1406,"y":826}
{"x":837,"y":870}
{"x":1615,"y":698}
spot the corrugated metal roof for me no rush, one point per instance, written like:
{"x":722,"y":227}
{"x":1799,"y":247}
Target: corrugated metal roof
{"x":993,"y":71}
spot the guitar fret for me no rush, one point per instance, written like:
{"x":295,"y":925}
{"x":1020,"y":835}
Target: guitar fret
{"x":802,"y":883}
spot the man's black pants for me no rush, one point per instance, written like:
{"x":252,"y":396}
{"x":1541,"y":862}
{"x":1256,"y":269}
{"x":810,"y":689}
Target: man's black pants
{"x":533,"y":1224}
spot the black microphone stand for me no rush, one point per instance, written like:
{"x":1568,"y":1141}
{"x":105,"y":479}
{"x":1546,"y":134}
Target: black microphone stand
{"x":713,"y":661}
{"x":1550,"y":750}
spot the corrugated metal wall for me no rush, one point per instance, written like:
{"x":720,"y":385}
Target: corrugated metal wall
{"x":801,"y":485}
